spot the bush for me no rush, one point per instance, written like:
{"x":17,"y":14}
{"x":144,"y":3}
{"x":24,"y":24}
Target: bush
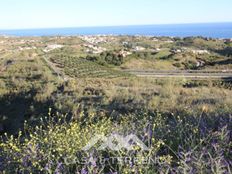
{"x":107,"y":58}
{"x":112,"y":58}
{"x":176,"y":145}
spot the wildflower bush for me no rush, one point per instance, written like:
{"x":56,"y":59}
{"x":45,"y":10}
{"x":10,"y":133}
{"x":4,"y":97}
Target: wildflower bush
{"x":175,"y":145}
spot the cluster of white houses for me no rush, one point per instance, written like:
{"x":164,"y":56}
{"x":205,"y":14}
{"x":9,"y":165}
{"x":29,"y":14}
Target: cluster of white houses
{"x":52,"y":47}
{"x":93,"y":49}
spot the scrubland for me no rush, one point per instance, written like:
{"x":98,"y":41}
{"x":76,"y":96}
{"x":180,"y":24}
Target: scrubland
{"x":53,"y":103}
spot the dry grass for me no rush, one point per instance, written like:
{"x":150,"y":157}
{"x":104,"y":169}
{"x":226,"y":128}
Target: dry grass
{"x":148,"y":64}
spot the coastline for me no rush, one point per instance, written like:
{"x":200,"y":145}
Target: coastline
{"x":211,"y":30}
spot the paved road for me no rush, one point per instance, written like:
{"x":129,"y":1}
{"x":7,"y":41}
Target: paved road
{"x":193,"y":74}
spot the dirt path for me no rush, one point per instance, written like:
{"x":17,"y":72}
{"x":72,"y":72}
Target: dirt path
{"x":55,"y":69}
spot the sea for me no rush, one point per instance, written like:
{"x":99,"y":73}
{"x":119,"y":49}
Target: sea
{"x":211,"y":30}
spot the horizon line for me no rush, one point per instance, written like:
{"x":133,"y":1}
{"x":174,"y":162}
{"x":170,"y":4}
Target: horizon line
{"x":103,"y":26}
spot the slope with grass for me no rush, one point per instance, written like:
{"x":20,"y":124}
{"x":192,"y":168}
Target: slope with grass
{"x":45,"y":120}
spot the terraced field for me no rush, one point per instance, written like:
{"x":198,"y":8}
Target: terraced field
{"x":76,"y":67}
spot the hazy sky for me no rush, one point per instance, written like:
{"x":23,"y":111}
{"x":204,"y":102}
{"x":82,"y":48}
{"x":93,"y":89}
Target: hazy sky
{"x":15,"y":14}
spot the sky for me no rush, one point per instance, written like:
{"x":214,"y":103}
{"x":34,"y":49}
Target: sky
{"x":23,"y":14}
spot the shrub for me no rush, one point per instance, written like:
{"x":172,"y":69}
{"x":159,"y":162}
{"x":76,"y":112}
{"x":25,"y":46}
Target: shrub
{"x":113,"y":58}
{"x":176,"y":145}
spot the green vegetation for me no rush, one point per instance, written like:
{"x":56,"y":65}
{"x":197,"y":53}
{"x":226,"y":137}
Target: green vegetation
{"x":177,"y":144}
{"x":80,"y":67}
{"x":56,"y":93}
{"x":107,"y":58}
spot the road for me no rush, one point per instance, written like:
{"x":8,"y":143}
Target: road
{"x":192,"y":74}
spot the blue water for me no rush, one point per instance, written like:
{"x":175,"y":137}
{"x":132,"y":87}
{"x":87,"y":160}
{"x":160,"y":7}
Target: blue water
{"x":213,"y":30}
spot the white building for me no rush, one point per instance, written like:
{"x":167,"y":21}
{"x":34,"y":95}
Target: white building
{"x":125,"y":53}
{"x":139,"y":48}
{"x":200,"y":51}
{"x":52,"y":47}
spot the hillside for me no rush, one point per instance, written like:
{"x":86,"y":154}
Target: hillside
{"x":83,"y":83}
